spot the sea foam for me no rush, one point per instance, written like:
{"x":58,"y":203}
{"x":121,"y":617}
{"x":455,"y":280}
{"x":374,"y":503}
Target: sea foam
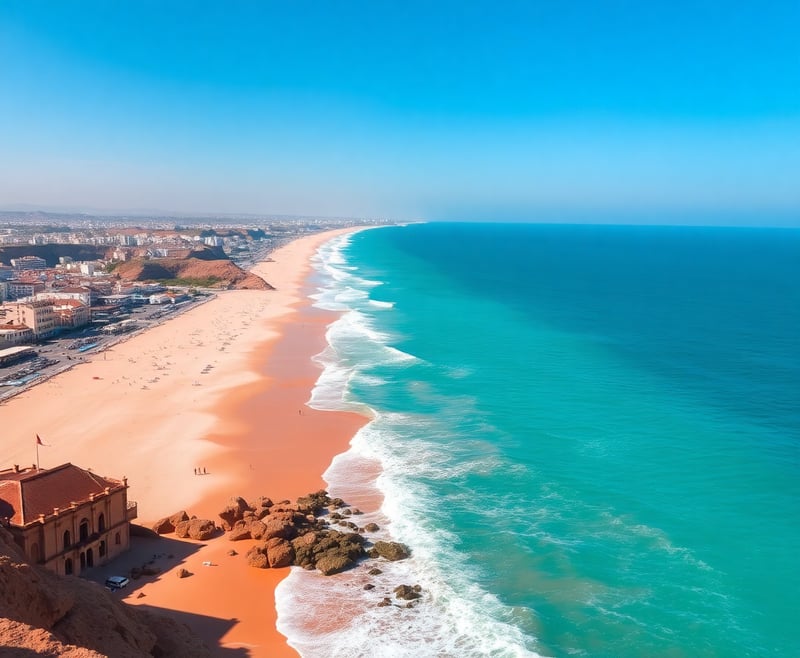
{"x":336,"y":616}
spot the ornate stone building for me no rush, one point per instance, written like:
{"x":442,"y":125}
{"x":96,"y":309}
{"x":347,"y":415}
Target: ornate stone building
{"x":66,"y":518}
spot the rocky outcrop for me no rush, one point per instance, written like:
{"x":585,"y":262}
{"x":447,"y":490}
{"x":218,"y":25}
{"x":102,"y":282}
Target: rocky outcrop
{"x":300,"y":535}
{"x":296,"y":534}
{"x":42,"y":613}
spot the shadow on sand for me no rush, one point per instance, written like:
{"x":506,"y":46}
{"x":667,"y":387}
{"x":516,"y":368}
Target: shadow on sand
{"x":157,"y":557}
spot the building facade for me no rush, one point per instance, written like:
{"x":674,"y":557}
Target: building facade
{"x":28,"y":263}
{"x":38,"y":315}
{"x":71,"y":314}
{"x":20,"y":289}
{"x":78,"y":293}
{"x":66,"y":518}
{"x":15,"y":334}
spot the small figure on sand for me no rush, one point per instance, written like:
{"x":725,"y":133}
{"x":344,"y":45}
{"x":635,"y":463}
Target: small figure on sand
{"x":195,"y":470}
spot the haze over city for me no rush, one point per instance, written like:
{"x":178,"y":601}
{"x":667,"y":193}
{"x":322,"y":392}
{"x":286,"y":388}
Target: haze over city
{"x":643,"y":112}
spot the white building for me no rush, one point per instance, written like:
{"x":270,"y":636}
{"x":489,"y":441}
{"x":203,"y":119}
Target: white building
{"x":29,"y":263}
{"x":15,"y":334}
{"x":78,"y":293}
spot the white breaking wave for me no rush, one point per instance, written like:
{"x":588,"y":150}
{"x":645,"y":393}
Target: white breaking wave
{"x":455,"y":617}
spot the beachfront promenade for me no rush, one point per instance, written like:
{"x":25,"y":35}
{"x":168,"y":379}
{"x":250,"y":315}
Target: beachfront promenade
{"x":65,"y":351}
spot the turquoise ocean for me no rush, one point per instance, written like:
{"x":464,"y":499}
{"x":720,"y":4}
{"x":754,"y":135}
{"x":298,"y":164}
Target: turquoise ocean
{"x":589,"y":436}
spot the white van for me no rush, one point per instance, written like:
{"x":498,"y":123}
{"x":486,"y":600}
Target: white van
{"x":116,"y":582}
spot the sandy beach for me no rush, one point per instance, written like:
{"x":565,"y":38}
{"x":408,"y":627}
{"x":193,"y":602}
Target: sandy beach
{"x":221,"y":388}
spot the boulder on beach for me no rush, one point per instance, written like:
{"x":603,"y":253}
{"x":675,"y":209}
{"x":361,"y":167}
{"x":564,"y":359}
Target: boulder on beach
{"x":239,"y":533}
{"x":313,"y":503}
{"x":200,"y":529}
{"x":261,"y":506}
{"x":167,"y":524}
{"x":257,"y":557}
{"x":234,"y":511}
{"x":333,"y":563}
{"x":256,"y":528}
{"x":280,"y":554}
{"x":279,"y":525}
{"x":391,"y":550}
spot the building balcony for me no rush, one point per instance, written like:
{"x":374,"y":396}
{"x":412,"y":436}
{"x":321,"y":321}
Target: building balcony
{"x":132,"y":511}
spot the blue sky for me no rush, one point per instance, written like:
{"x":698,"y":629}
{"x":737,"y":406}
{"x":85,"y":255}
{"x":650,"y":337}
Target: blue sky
{"x":439,"y":110}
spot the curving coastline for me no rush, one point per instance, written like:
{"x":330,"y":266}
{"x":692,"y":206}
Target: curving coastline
{"x":222,"y":387}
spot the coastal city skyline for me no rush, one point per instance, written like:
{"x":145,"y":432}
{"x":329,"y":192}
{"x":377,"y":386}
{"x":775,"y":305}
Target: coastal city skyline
{"x":661,"y":113}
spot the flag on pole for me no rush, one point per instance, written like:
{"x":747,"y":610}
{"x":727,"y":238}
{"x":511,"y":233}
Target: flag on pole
{"x":39,"y":442}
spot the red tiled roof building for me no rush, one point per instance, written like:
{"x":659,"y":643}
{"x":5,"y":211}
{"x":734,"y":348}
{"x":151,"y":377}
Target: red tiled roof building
{"x":66,"y":518}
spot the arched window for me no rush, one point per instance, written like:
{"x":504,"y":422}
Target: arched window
{"x":117,"y":539}
{"x":68,"y":566}
{"x":67,"y":540}
{"x":83,"y":561}
{"x":101,"y":523}
{"x":84,"y":529}
{"x":90,"y":558}
{"x":102,"y":548}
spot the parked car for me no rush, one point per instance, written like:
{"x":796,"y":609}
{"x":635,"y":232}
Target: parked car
{"x":116,"y":582}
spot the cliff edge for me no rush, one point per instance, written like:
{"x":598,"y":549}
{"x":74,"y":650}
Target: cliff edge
{"x":44,"y":614}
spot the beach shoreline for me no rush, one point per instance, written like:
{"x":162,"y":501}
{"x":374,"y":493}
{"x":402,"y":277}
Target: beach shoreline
{"x":221,"y":388}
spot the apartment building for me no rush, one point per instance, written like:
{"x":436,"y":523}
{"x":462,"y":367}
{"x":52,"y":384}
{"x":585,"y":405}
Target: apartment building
{"x":38,"y":315}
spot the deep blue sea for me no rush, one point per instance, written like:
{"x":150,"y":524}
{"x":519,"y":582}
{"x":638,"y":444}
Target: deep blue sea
{"x":589,"y":436}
